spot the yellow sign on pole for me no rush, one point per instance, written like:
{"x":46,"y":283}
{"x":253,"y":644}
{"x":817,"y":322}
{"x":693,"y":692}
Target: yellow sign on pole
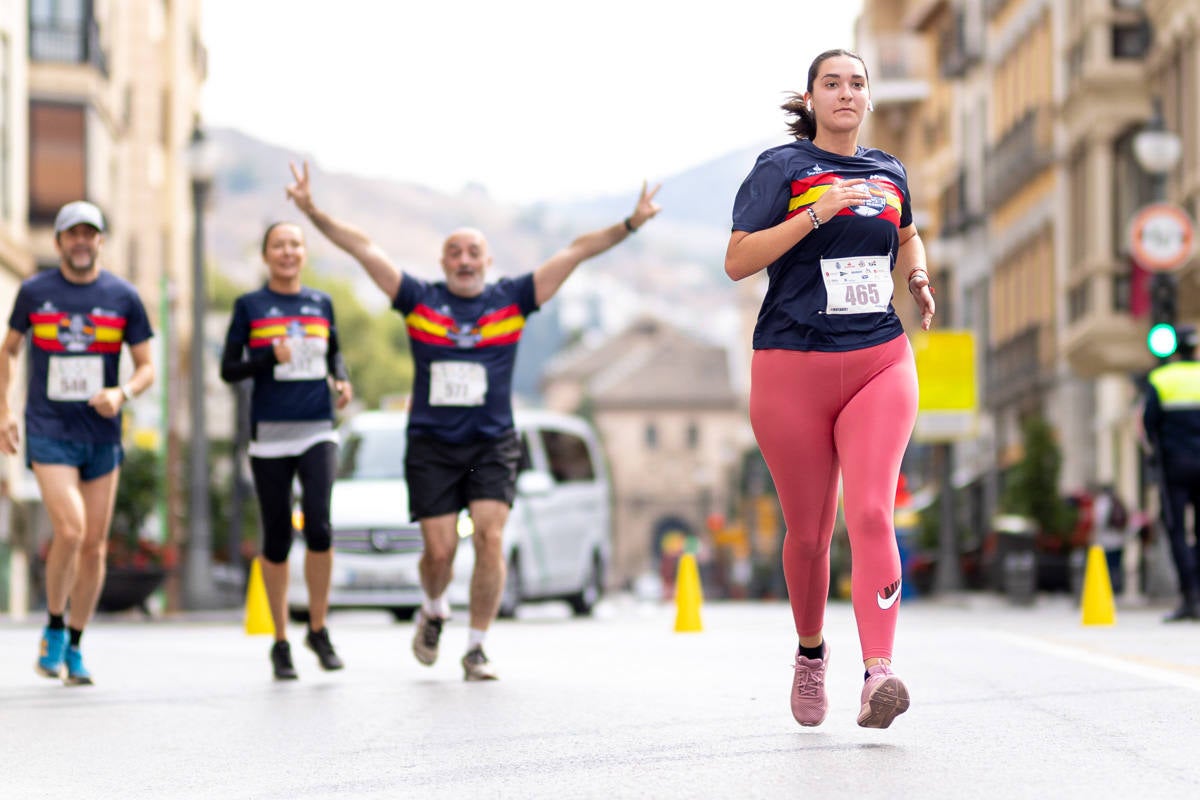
{"x":946,"y":374}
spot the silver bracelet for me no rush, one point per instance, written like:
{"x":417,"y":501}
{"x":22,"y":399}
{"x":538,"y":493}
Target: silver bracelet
{"x":816,"y":223}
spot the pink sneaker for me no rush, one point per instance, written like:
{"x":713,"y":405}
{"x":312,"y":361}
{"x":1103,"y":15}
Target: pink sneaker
{"x":884,"y":697}
{"x":809,"y":703}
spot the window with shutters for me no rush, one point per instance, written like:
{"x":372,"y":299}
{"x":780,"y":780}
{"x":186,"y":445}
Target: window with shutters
{"x":57,"y":158}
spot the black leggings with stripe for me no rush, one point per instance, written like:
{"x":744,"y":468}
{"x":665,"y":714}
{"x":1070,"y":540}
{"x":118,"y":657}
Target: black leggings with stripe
{"x":273,"y":484}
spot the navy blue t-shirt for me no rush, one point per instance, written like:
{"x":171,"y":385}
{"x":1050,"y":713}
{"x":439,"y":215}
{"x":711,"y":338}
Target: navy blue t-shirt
{"x":298,"y":390}
{"x":798,"y":312}
{"x":75,"y":332}
{"x":464,"y":349}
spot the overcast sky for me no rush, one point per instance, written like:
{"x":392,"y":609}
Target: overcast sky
{"x":533,"y":99}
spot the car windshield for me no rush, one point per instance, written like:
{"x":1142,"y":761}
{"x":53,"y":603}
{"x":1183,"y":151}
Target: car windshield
{"x":373,"y":455}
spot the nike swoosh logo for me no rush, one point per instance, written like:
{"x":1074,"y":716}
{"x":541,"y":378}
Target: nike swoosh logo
{"x":888,"y":597}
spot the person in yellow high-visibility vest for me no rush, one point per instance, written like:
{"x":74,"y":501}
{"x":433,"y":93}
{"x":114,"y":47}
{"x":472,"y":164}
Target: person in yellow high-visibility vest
{"x":1172,"y":423}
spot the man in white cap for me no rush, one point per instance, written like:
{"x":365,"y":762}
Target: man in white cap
{"x":75,"y":319}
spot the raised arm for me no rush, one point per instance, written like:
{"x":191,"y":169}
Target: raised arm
{"x":349,"y":238}
{"x":550,"y":276}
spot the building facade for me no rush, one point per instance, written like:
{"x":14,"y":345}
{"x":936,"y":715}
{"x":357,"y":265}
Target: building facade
{"x":98,"y":101}
{"x":1016,"y":119}
{"x":672,"y":426}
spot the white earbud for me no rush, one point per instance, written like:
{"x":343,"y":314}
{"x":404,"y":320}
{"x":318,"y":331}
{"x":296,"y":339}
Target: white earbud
{"x":808,"y":106}
{"x":870,"y":106}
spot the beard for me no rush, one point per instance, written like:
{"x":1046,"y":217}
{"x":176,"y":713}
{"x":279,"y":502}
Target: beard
{"x":73,"y":263}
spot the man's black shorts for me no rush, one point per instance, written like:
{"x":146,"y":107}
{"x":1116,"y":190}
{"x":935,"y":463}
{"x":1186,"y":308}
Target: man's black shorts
{"x":444,"y":477}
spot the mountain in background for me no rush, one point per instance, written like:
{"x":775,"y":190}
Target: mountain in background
{"x":674,"y":269}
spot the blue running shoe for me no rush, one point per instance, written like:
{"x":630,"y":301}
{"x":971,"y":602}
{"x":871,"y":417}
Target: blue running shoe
{"x":53,"y":651}
{"x":77,"y":673}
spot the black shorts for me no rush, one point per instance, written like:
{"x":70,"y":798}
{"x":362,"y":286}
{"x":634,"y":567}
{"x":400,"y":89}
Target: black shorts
{"x":444,"y":477}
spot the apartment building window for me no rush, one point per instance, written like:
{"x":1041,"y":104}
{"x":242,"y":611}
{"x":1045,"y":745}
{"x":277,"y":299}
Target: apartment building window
{"x":58,"y":30}
{"x":693,"y":436}
{"x":57,"y":158}
{"x":1131,"y":41}
{"x":651,"y":436}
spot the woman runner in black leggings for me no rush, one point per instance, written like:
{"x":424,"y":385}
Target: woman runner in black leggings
{"x":283,"y":336}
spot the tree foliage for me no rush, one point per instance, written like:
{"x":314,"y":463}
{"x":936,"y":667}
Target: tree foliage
{"x":1032,"y":488}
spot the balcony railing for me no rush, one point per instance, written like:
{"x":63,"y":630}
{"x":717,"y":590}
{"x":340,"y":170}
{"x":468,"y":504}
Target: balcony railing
{"x":67,"y":43}
{"x":899,"y":68}
{"x":1024,"y":151}
{"x":957,"y":213}
{"x":1014,"y":368}
{"x":959,"y":47}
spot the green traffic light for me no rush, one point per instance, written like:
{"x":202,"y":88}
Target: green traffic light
{"x":1162,"y":340}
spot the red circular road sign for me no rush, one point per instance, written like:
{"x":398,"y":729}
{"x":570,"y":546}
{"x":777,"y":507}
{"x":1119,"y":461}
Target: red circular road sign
{"x":1161,"y":237}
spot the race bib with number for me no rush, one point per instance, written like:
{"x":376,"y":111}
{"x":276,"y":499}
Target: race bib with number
{"x":74,"y":378}
{"x":308,"y":360}
{"x":457,"y":383}
{"x":860,"y":285}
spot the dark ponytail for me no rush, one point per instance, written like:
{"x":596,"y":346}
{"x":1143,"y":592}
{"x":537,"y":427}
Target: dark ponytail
{"x":804,"y":126}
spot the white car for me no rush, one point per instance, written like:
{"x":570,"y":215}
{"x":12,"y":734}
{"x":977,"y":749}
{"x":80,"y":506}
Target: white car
{"x":557,"y":541}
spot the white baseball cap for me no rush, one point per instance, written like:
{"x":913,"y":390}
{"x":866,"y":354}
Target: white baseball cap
{"x":78,"y":212}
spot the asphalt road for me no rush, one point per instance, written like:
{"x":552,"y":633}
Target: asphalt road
{"x":1006,"y":702}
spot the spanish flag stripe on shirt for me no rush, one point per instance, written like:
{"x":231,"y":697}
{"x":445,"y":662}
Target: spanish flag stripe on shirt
{"x":418,"y":335}
{"x":498,"y":340}
{"x":432,"y":316}
{"x":419,"y":323}
{"x":498,"y":328}
{"x":502,"y":328}
{"x":108,"y":322}
{"x":807,"y":191}
{"x":109,"y":335}
{"x":45,"y":330}
{"x":55,"y":346}
{"x":107,"y":332}
{"x":264,"y":331}
{"x":508,"y":312}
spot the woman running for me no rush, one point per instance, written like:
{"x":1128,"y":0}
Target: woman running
{"x":833,"y":382}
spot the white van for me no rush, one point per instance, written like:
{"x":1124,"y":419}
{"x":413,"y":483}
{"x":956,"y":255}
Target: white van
{"x":557,"y":541}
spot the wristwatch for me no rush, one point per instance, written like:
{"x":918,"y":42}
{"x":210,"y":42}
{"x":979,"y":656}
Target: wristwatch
{"x":126,"y":393}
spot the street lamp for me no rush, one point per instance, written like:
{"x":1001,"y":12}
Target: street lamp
{"x":199,"y":589}
{"x":1157,"y":149}
{"x":239,"y":493}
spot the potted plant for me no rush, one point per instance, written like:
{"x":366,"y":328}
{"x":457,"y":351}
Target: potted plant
{"x":136,"y":565}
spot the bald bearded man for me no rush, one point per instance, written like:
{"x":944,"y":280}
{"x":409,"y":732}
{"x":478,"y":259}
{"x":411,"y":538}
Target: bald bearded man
{"x":463,"y":450}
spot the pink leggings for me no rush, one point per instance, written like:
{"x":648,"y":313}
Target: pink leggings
{"x":815,"y":414}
